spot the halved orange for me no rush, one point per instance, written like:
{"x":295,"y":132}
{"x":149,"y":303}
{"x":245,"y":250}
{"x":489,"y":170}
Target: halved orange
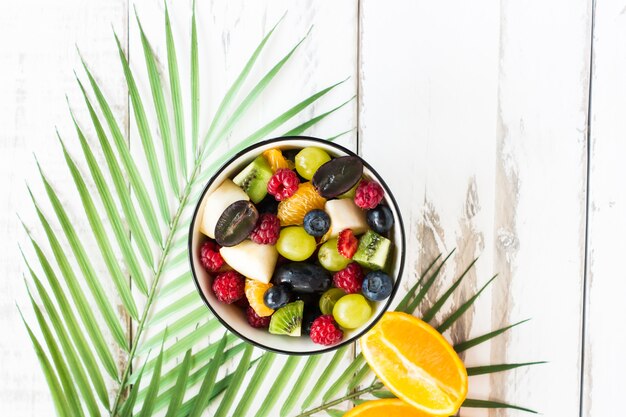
{"x":392,"y":407}
{"x":416,"y":363}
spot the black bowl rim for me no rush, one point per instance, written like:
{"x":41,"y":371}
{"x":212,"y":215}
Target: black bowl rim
{"x":398,"y":221}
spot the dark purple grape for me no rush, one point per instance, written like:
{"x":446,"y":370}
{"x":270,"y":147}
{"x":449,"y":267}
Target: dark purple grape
{"x":338,"y":176}
{"x":236,"y":223}
{"x":303,"y":277}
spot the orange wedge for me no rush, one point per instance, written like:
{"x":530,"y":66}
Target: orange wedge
{"x":387,"y":408}
{"x":416,"y":363}
{"x":276,"y":159}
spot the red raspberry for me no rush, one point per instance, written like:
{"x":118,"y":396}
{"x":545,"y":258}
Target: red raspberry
{"x":255,"y":321}
{"x":229,"y":286}
{"x":242,"y":303}
{"x":347,"y":243}
{"x":210,"y":257}
{"x":283,"y":184}
{"x":349,"y":279}
{"x":368,"y":194}
{"x":267,"y":230}
{"x":325,"y":331}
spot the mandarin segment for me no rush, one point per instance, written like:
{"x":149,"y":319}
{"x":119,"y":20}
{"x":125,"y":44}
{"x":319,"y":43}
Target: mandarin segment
{"x":292,"y":210}
{"x":276,"y":160}
{"x":254,"y":293}
{"x":416,"y":363}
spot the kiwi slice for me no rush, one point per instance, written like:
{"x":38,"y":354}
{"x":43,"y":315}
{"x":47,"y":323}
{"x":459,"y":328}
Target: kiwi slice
{"x":288,"y":319}
{"x":373,"y":251}
{"x":254,"y":178}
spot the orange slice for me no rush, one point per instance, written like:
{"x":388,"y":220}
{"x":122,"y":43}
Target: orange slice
{"x":387,"y":408}
{"x":416,"y":363}
{"x":276,"y":159}
{"x":254,"y":293}
{"x":292,"y":210}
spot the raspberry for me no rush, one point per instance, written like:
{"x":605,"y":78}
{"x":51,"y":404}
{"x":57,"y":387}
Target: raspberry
{"x":368,"y":194}
{"x":283,"y":184}
{"x":347,"y":243}
{"x":325,"y":331}
{"x":242,"y":303}
{"x":229,"y":286}
{"x":210,"y":257}
{"x":349,"y":279}
{"x":267,"y":230}
{"x":255,"y":321}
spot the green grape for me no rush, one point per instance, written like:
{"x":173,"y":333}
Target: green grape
{"x":308,"y":160}
{"x":329,"y":298}
{"x":352,"y":311}
{"x":330,"y":258}
{"x":295,"y":244}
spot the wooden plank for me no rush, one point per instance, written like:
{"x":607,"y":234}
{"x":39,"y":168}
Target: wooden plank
{"x":487,"y":125}
{"x":228,"y":32}
{"x":37,"y":57}
{"x":602,"y":360}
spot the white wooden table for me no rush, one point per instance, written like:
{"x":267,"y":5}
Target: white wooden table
{"x":500,"y":126}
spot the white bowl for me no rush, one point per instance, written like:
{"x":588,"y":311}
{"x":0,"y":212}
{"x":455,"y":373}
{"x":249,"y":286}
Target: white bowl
{"x":231,"y":316}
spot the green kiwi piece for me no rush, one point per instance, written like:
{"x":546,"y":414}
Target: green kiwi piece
{"x":254,"y":178}
{"x":373,"y":251}
{"x":288,"y":319}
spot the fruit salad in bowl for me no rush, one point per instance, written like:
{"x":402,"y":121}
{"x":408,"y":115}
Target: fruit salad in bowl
{"x":297,"y":245}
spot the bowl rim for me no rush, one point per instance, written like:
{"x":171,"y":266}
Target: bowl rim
{"x":399,"y":223}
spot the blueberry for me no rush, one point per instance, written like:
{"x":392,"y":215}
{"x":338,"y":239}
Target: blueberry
{"x":277,"y":296}
{"x":311,"y":312}
{"x":380,"y":219}
{"x":316,"y":223}
{"x":377,"y":286}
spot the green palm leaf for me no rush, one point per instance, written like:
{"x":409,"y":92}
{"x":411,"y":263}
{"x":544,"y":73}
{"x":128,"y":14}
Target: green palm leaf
{"x":158,"y":98}
{"x":189,"y":383}
{"x":145,"y":135}
{"x":61,"y":367}
{"x":82,"y":305}
{"x":58,"y":396}
{"x":87,"y":269}
{"x":70,"y":353}
{"x":233,"y":387}
{"x":279,"y":385}
{"x":123,"y":289}
{"x":177,"y":101}
{"x":299,"y":384}
{"x":208,"y":382}
{"x":195,"y":84}
{"x":180,"y":387}
{"x":69,"y":318}
{"x":132,"y":171}
{"x":153,"y":388}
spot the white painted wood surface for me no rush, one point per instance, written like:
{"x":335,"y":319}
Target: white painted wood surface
{"x":475,"y":112}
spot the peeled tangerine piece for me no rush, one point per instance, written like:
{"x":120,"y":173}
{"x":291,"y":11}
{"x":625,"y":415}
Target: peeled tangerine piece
{"x":344,"y":214}
{"x":252,"y":260}
{"x":216,"y":202}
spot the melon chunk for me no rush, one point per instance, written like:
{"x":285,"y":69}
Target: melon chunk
{"x":216,"y":202}
{"x":252,"y":260}
{"x":344,"y":214}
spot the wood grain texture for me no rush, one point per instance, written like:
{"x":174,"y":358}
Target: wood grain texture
{"x":37,"y":57}
{"x":475,"y":113}
{"x":228,"y":32}
{"x":603,"y":364}
{"x":487,"y":125}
